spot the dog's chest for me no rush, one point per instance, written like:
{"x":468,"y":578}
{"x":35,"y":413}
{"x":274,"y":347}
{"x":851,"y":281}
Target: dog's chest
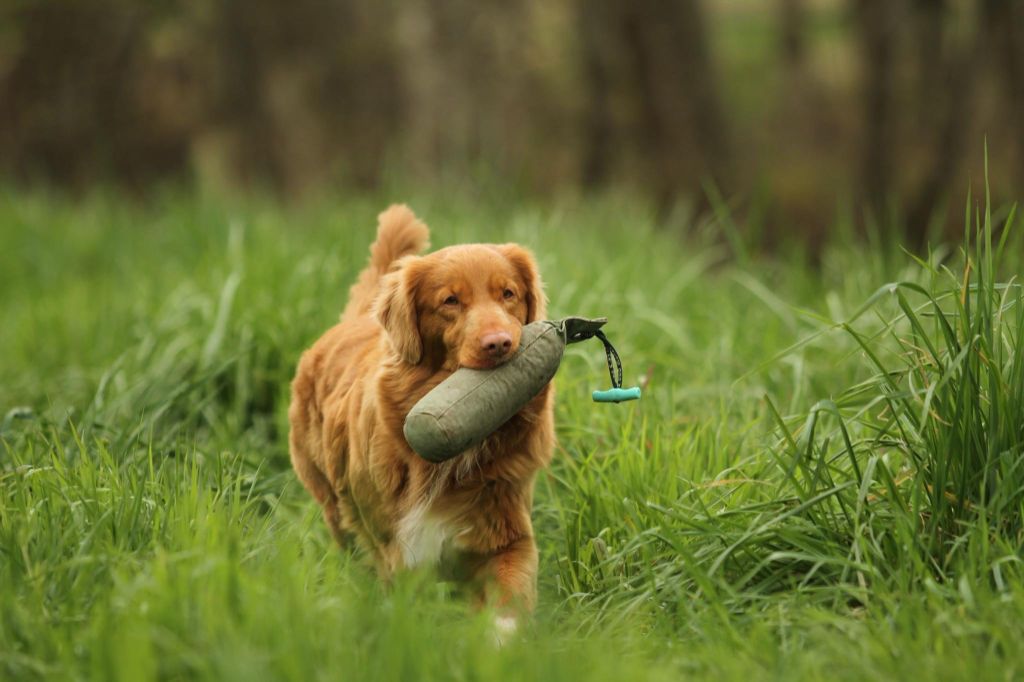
{"x":423,"y":536}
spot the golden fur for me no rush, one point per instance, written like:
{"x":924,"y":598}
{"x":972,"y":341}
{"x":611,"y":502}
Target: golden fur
{"x":410,"y":322}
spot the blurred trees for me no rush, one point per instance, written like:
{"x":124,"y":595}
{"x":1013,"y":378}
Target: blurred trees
{"x":798,"y":102}
{"x":654,"y":56}
{"x":78,"y":98}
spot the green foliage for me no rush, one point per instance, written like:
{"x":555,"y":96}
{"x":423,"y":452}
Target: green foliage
{"x":823,"y":478}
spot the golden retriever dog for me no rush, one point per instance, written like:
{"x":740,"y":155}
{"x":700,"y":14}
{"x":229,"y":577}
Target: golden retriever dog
{"x":410,"y":322}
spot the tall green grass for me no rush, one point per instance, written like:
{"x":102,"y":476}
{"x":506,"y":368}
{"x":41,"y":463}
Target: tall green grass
{"x":822,"y":480}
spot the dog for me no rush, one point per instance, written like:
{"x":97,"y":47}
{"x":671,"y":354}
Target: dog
{"x":411,"y":320}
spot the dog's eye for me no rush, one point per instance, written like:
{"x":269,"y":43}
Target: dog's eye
{"x":508,"y":293}
{"x":451,"y":300}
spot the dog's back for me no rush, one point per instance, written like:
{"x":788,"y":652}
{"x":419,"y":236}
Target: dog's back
{"x":328,"y":373}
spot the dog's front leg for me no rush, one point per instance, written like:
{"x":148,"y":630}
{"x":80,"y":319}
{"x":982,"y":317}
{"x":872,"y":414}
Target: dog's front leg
{"x":509,"y":581}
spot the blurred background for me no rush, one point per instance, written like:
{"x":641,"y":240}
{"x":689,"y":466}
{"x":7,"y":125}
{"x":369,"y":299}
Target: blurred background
{"x":790,"y":109}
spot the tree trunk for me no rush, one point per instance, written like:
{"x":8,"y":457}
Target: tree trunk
{"x":876,"y":27}
{"x":947,"y":90}
{"x":595,"y":20}
{"x":682,"y":127}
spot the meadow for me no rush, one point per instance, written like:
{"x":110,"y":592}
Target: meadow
{"x":824,"y":478}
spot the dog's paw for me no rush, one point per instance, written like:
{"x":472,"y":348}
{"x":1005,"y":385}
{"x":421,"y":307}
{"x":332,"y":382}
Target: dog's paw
{"x":504,"y":629}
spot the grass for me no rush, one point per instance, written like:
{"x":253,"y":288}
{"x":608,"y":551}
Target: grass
{"x":823,"y":479}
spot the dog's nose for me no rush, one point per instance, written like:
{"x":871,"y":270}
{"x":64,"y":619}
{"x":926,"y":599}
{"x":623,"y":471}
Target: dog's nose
{"x":496,"y":344}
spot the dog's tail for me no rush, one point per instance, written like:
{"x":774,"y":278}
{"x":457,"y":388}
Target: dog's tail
{"x":399,"y":233}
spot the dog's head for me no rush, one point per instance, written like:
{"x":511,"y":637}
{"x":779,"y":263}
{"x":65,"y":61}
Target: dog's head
{"x":463,"y":306}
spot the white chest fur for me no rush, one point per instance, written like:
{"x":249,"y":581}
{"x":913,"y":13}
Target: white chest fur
{"x":422,"y":536}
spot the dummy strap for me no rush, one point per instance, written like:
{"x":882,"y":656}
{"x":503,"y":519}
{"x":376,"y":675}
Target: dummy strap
{"x":575,"y":329}
{"x":614,"y":361}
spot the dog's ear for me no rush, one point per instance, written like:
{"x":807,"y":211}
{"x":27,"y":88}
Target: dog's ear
{"x":526,"y":265}
{"x":395,"y":309}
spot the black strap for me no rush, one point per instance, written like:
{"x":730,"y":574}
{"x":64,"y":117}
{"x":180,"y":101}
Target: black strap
{"x":614,"y":370}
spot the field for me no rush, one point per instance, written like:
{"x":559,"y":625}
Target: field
{"x":823,"y":480}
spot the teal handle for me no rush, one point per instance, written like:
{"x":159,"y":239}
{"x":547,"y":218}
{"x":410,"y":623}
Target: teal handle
{"x":617,"y":395}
